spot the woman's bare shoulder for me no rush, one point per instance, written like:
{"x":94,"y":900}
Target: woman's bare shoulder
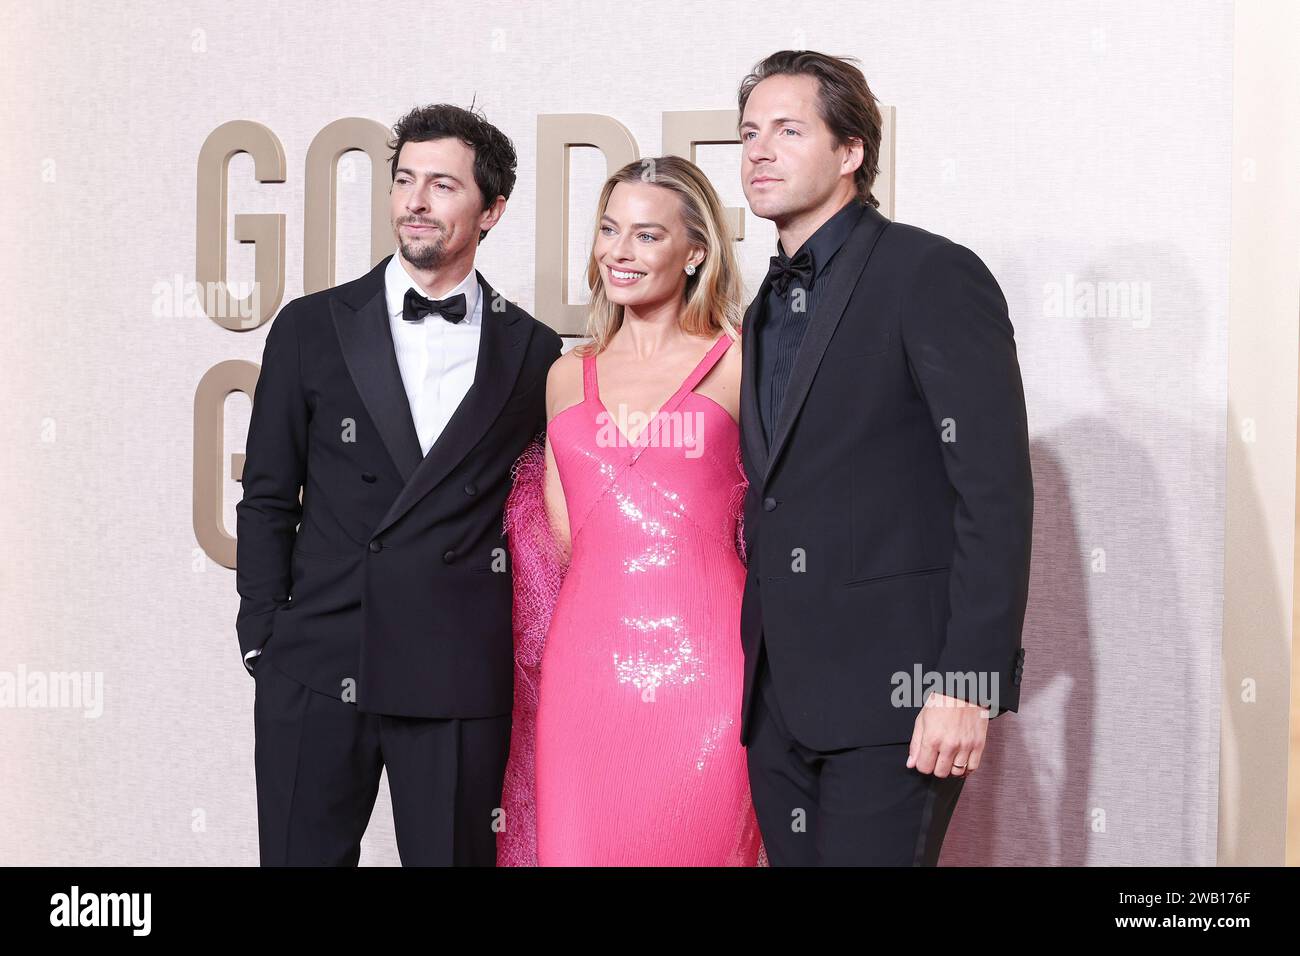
{"x":563,"y":383}
{"x":728,"y":366}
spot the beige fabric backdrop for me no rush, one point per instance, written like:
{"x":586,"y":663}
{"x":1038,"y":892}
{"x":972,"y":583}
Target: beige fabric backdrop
{"x":1073,"y":146}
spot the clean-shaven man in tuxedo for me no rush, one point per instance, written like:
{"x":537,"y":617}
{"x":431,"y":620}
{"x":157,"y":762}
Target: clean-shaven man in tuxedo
{"x":375,"y":613}
{"x":890,"y":501}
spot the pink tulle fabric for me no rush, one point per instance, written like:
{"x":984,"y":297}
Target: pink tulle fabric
{"x":539,"y":568}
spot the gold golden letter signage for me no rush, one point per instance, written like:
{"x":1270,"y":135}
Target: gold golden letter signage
{"x":239,"y":313}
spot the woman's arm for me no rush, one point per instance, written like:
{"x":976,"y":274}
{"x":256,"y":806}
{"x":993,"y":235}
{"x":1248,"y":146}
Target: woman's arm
{"x":563,"y":388}
{"x":556,"y":510}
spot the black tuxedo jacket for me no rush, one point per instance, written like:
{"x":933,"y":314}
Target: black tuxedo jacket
{"x":386,"y":594}
{"x":888,"y":524}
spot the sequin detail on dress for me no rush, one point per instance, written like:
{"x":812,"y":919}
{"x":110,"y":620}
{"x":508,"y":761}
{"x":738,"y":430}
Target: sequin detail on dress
{"x":633,"y":735}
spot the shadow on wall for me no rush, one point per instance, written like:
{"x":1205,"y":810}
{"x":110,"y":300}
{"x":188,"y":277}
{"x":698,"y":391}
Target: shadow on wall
{"x":1112,"y":758}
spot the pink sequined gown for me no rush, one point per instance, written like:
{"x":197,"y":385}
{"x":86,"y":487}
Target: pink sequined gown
{"x":637,"y":752}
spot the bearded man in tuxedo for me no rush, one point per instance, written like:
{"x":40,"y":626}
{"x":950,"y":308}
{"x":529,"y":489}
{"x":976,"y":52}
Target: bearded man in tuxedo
{"x":375,"y":610}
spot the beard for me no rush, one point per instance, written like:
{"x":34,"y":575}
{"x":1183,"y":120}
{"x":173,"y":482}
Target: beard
{"x":424,"y":254}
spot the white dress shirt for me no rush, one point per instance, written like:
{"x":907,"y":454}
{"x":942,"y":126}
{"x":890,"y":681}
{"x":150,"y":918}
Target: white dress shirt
{"x":437,"y":358}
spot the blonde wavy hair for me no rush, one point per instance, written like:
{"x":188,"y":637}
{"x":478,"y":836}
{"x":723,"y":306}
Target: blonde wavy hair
{"x":712,"y":298}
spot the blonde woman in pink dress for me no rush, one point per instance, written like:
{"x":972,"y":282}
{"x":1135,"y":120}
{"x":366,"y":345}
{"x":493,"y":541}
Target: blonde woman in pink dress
{"x":628,"y":562}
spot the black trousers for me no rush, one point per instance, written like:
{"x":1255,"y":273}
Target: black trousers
{"x":318,"y":762}
{"x":857,"y":807}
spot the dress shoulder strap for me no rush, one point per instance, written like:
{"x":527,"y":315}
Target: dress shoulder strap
{"x":590,"y":388}
{"x":706,"y":364}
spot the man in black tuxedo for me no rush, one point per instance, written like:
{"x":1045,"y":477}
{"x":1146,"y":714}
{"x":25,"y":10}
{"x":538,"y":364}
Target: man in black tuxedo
{"x":375,"y":612}
{"x":889,"y":511}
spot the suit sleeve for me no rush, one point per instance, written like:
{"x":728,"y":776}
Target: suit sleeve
{"x":962,"y":354}
{"x":275,"y":465}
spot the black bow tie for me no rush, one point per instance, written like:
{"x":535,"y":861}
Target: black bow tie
{"x":782,"y":272}
{"x":415,"y":307}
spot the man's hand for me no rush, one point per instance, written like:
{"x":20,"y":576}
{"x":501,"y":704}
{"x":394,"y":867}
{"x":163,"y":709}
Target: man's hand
{"x":948,"y":736}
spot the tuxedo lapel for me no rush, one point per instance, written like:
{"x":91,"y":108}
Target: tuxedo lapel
{"x":751,"y":426}
{"x":500,"y":357}
{"x":367,"y":344}
{"x":847,"y":269}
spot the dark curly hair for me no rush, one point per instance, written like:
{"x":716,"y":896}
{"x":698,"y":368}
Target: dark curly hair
{"x":494,"y":154}
{"x":844,"y":101}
